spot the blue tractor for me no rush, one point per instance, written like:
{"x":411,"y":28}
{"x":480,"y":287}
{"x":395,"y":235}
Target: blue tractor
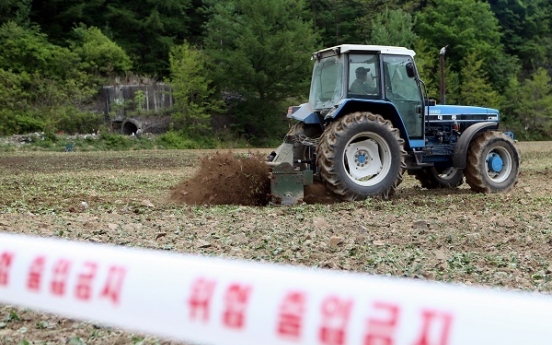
{"x":368,"y":121}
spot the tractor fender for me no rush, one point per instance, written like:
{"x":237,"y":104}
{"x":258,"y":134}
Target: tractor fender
{"x":384,"y":108}
{"x":305,"y":113}
{"x":463,"y":144}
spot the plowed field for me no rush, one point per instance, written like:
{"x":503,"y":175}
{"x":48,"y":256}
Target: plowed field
{"x":128,"y":199}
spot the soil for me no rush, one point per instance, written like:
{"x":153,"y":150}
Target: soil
{"x":237,"y":179}
{"x":227,"y":179}
{"x":175,"y":201}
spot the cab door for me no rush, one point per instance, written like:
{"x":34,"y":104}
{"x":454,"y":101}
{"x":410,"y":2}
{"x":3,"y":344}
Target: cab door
{"x":404,"y":92}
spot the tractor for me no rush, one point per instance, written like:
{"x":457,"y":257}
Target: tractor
{"x":369,"y":121}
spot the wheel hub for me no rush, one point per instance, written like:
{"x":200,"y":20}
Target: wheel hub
{"x":362,"y":158}
{"x":494,"y":163}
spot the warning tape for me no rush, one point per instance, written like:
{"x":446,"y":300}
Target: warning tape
{"x":217,"y":301}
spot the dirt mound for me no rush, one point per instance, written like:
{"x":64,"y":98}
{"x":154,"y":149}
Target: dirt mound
{"x":226,"y":179}
{"x":237,"y":179}
{"x":317,"y":193}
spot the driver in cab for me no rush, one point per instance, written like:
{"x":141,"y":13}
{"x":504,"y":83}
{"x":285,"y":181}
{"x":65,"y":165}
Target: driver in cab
{"x":361,"y":85}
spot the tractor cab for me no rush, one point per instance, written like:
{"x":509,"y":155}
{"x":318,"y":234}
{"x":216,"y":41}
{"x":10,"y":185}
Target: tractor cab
{"x":347,"y":75}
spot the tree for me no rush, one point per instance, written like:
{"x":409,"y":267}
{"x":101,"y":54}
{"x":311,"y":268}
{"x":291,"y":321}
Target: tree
{"x":98,"y":53}
{"x":336,"y":20}
{"x":536,"y":103}
{"x":526,"y":31}
{"x":16,"y":11}
{"x":192,"y":89}
{"x":27,"y":50}
{"x":145,"y":29}
{"x":467,"y":26}
{"x":261,"y":52}
{"x":393,"y":28}
{"x":474,"y":86}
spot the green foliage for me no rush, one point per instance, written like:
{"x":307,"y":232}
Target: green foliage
{"x":12,"y":94}
{"x":17,"y":11}
{"x":192,"y":89}
{"x":114,"y":142}
{"x":426,"y":63}
{"x":140,"y":100}
{"x":466,"y":26}
{"x":28,"y":51}
{"x":337,"y":21}
{"x":394,"y":28}
{"x":474,"y":87}
{"x":98,"y":53}
{"x":180,"y":140}
{"x":526,"y":31}
{"x":261,"y":53}
{"x":71,"y":120}
{"x":145,"y":29}
{"x":535,"y":106}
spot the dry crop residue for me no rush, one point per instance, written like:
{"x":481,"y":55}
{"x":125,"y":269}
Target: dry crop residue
{"x":494,"y":240}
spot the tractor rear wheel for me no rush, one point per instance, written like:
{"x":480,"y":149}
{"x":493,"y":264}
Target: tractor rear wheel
{"x":493,"y":163}
{"x":435,"y":178}
{"x":361,"y":155}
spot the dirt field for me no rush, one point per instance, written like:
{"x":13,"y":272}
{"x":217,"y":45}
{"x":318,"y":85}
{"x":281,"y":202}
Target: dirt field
{"x":134,"y":199}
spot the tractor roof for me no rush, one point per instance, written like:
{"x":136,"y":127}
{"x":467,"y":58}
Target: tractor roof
{"x":344,"y":48}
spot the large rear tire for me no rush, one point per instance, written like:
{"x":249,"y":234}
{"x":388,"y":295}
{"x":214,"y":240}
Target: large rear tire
{"x":435,"y":178}
{"x":493,"y":163}
{"x":361,"y":155}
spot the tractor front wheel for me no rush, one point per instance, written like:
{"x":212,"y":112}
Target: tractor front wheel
{"x":435,"y":178}
{"x":493,"y":163}
{"x":361,"y":155}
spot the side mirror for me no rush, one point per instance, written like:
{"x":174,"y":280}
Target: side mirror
{"x":410,"y":71}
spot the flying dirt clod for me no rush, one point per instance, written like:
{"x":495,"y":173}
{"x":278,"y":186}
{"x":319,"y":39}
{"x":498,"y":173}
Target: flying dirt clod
{"x":236,"y":179}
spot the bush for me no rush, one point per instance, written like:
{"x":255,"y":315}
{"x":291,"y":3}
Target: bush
{"x":178,"y":140}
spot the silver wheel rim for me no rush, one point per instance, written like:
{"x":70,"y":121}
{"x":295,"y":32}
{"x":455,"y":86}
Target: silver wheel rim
{"x":446,"y":174}
{"x":367,"y":159}
{"x":506,"y":167}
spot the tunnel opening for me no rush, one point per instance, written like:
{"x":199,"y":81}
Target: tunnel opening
{"x":130,"y":126}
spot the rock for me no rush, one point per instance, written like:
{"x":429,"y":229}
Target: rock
{"x":84,"y":205}
{"x":501,"y":275}
{"x":203,"y":244}
{"x":440,"y":255}
{"x":420,"y":225}
{"x":335,"y":241}
{"x":320,"y":223}
{"x":429,"y":275}
{"x":112,"y":226}
{"x":147,"y":203}
{"x":239,"y":239}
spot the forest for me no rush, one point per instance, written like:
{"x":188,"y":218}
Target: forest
{"x":248,"y":60}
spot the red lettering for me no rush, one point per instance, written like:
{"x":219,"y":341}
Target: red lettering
{"x":335,"y":317}
{"x":83,"y":290}
{"x":114,"y":284}
{"x":236,"y":299}
{"x":5,"y":264}
{"x":35,"y":274}
{"x":200,"y":298}
{"x":381,"y":331}
{"x":59,"y":277}
{"x":441,"y":331}
{"x":290,"y":319}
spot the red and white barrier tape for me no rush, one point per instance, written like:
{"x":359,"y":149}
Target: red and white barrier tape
{"x":216,"y":301}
